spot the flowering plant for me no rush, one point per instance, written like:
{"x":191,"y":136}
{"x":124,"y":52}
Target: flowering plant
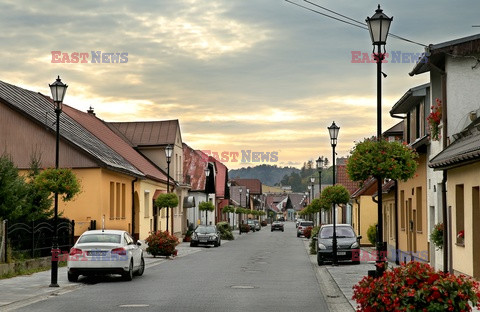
{"x":162,"y":243}
{"x":416,"y":286}
{"x":434,"y":119}
{"x":384,"y":159}
{"x":437,"y":235}
{"x":460,"y":237}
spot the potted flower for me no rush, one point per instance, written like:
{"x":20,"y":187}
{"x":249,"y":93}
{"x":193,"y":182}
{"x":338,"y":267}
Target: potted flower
{"x":162,"y":243}
{"x":461,"y":237}
{"x":437,"y":235}
{"x":434,"y":119}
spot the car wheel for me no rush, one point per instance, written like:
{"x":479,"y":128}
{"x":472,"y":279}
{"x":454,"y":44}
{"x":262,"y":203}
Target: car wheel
{"x":72,"y":277}
{"x":319,"y":260}
{"x":215,"y":244}
{"x":271,"y":230}
{"x":128,"y":276}
{"x":355,"y":262}
{"x":141,"y":269}
{"x":193,"y":244}
{"x":282,"y":230}
{"x":219,"y":242}
{"x":298,"y":235}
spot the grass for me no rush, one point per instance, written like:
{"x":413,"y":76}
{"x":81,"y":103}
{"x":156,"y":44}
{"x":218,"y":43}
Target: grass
{"x":30,"y":271}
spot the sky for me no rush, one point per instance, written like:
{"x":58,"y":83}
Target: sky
{"x":264,"y":76}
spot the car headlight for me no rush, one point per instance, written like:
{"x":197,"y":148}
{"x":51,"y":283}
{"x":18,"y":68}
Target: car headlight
{"x":321,"y":246}
{"x":213,"y":237}
{"x":355,"y":245}
{"x":194,"y":235}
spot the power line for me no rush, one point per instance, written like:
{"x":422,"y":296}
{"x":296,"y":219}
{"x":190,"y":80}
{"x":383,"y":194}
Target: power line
{"x":363,"y":25}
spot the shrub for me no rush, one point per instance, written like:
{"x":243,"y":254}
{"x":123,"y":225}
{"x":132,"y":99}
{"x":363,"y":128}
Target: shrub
{"x":437,"y":235}
{"x":372,"y":234}
{"x":308,"y":232}
{"x":225,"y":231}
{"x":313,"y":247}
{"x":161,"y":243}
{"x":416,"y":286}
{"x":245,"y":228}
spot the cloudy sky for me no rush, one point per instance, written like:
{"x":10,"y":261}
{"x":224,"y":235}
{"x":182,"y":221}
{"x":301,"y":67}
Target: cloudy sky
{"x":258,"y":75}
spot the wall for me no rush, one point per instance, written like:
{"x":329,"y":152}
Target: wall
{"x":368,"y":216}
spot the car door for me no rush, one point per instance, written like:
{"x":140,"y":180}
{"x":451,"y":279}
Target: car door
{"x":132,"y":249}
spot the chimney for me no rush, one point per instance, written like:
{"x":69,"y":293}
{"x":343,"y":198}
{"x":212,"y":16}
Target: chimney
{"x":90,"y":111}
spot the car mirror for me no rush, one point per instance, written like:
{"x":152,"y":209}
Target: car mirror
{"x":139,"y":243}
{"x":359,"y":236}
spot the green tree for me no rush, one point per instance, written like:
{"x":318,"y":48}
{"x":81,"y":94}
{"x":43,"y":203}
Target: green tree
{"x":38,"y":201}
{"x":206,"y":206}
{"x":334,"y":194}
{"x":12,"y":191}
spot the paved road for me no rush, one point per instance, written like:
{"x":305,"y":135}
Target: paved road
{"x":262,"y":271}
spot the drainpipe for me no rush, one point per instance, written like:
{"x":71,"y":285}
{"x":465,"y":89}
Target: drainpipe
{"x":444,"y":180}
{"x":133,"y":207}
{"x":358,"y":215}
{"x":397,"y":253}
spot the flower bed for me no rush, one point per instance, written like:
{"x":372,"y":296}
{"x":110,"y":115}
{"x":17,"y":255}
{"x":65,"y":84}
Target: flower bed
{"x":416,"y":286}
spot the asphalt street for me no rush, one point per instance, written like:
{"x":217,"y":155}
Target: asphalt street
{"x":262,"y":271}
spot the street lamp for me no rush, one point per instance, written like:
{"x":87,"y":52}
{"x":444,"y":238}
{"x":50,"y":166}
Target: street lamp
{"x":247,"y":200}
{"x":333,"y":131}
{"x":207,"y":173}
{"x":168,"y":154}
{"x":58,"y":89}
{"x":378,"y":25}
{"x":240,"y":190}
{"x":320,"y":168}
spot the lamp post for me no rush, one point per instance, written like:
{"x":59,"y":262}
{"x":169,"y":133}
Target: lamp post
{"x":320,"y":168}
{"x":229,"y":184}
{"x":378,"y":26}
{"x":58,"y":89}
{"x":309,"y":187}
{"x":207,"y":173}
{"x":247,"y":200}
{"x":240,"y":190}
{"x":168,"y":154}
{"x":333,"y":131}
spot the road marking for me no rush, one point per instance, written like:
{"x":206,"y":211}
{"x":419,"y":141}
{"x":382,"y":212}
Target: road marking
{"x":134,"y":306}
{"x":242,"y":287}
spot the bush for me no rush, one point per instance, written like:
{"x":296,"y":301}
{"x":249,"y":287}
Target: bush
{"x":308,"y":232}
{"x":416,"y":286}
{"x":372,"y":234}
{"x":313,"y":247}
{"x":244,"y":228}
{"x":225,"y":231}
{"x":161,"y":243}
{"x":437,"y":235}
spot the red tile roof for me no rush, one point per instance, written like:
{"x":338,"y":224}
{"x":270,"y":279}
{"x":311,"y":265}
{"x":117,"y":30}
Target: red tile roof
{"x":148,"y":133}
{"x":221,"y":177}
{"x":99,"y":129}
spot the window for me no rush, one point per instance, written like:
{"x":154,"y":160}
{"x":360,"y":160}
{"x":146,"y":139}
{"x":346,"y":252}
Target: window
{"x":124,"y":206}
{"x":146,"y":204}
{"x":402,"y":210}
{"x":419,"y":209}
{"x":459,"y":213}
{"x":112,"y":200}
{"x":117,"y":200}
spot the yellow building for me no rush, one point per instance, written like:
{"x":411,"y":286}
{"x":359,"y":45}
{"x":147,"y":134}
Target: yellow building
{"x":364,"y":212}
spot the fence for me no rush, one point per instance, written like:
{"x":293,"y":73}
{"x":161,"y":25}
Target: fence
{"x":35,"y":238}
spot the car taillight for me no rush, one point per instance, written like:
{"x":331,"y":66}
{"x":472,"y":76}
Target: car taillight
{"x":119,"y":251}
{"x":75,"y":251}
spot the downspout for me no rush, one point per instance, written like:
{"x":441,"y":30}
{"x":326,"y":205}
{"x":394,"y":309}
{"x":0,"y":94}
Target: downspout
{"x":358,"y":215}
{"x":397,"y":253}
{"x":133,"y":207}
{"x":446,"y":253}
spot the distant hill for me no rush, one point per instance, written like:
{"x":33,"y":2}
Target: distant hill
{"x":267,"y":174}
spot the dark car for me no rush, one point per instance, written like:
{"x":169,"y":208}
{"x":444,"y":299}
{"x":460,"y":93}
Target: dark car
{"x":348,"y":244}
{"x":207,"y":235}
{"x":277,"y":226}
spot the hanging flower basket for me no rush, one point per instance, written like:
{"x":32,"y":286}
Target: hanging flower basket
{"x":434,"y":119}
{"x":437,"y":235}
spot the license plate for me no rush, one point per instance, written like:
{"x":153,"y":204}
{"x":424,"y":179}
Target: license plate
{"x":341,"y":253}
{"x":204,"y":240}
{"x":97,"y":253}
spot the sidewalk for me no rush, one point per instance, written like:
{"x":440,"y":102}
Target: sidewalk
{"x":24,"y":290}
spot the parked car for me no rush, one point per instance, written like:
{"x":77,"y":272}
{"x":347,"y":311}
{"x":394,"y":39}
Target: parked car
{"x":281,"y":219}
{"x":277,"y":226}
{"x":297,"y":222}
{"x":252,"y":225}
{"x":105,"y":252}
{"x":206,"y":235}
{"x":302,"y":226}
{"x":258,"y":227}
{"x":348,"y":243}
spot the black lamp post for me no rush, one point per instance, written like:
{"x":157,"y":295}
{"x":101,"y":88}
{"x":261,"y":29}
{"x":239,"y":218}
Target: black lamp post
{"x":320,"y":168}
{"x":378,"y":25}
{"x":229,"y":184}
{"x":168,"y":154}
{"x":58,"y":89}
{"x":333,"y":131}
{"x":207,"y":173}
{"x":240,"y":190}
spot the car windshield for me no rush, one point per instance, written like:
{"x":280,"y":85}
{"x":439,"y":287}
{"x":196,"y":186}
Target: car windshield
{"x":341,"y":231}
{"x":306,"y":223}
{"x":205,"y":229}
{"x":99,"y":238}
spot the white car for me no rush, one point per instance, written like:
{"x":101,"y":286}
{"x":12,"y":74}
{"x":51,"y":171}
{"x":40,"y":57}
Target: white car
{"x":105,"y":252}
